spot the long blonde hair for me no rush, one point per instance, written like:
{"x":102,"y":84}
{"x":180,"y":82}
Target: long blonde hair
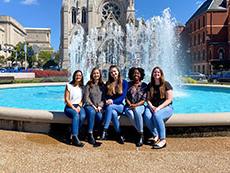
{"x":114,"y":87}
{"x":152,"y":84}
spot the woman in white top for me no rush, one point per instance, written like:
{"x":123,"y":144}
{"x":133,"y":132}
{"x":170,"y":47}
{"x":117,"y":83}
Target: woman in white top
{"x":73,"y":108}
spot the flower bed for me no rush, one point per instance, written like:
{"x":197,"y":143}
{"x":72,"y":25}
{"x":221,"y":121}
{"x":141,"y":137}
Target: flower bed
{"x":49,"y":73}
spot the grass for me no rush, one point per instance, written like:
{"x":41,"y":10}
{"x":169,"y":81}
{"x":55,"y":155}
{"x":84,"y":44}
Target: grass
{"x":42,"y":80}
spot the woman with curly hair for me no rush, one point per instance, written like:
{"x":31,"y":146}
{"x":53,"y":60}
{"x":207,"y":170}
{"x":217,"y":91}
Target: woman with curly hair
{"x":135,"y":100}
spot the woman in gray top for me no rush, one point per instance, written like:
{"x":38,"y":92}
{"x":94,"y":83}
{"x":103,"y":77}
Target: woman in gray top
{"x":94,"y":101}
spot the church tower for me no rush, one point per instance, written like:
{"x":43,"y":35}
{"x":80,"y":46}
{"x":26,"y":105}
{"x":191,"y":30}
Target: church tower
{"x":91,"y":14}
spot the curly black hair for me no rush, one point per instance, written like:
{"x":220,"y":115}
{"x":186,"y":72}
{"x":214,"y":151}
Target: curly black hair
{"x":131,"y":72}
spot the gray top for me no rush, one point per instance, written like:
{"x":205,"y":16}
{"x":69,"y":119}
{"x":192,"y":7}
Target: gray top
{"x":94,"y":95}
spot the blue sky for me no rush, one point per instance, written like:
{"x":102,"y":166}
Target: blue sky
{"x":46,"y":13}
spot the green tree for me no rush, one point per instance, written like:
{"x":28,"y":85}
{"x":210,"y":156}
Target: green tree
{"x":19,"y":50}
{"x":2,"y":60}
{"x":43,"y":57}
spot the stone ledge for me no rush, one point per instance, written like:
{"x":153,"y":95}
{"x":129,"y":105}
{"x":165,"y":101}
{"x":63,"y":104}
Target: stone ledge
{"x":177,"y":120}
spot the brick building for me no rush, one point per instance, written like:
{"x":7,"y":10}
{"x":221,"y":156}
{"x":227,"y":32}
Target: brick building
{"x":207,"y":35}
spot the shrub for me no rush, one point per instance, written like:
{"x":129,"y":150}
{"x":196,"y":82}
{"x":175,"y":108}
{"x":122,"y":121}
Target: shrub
{"x":49,"y":73}
{"x":189,"y":80}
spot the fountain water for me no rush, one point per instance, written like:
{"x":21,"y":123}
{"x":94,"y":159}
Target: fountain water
{"x":147,"y":44}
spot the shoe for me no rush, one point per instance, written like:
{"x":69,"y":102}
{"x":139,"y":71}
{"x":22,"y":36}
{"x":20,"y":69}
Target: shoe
{"x":140,"y":140}
{"x":120,"y":139}
{"x":155,"y":140}
{"x":160,"y":145}
{"x":91,"y":139}
{"x":104,"y":135}
{"x":76,"y":142}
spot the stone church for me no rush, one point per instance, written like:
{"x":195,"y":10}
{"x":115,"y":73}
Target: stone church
{"x":92,"y":14}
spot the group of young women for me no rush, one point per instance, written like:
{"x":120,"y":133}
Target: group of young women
{"x":101,"y":103}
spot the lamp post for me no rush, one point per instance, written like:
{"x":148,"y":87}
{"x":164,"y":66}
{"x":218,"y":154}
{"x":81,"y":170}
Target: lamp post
{"x":25,"y":50}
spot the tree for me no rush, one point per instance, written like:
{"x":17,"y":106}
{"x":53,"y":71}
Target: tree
{"x":43,"y":57}
{"x":2,"y":60}
{"x":20,"y":52}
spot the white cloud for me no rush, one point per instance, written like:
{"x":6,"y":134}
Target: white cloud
{"x":6,"y":1}
{"x":29,"y":2}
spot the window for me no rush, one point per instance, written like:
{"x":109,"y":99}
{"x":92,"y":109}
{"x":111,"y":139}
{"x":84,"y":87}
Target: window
{"x":198,"y":56}
{"x":194,"y":26}
{"x":203,"y":21}
{"x":198,"y":68}
{"x":198,"y":39}
{"x":203,"y":37}
{"x":204,"y":55}
{"x":203,"y":69}
{"x":221,"y":53}
{"x":74,"y":15}
{"x":194,"y":40}
{"x":110,"y":7}
{"x":199,"y":23}
{"x":210,"y":54}
{"x":84,"y":15}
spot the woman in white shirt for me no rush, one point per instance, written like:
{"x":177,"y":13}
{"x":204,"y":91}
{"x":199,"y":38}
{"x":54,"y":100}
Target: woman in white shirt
{"x":73,"y":108}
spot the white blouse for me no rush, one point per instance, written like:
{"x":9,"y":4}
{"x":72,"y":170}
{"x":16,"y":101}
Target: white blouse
{"x":75,"y":93}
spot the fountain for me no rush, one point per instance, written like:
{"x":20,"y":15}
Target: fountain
{"x":145,"y":44}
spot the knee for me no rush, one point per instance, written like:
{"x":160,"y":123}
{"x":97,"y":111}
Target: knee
{"x":114,"y":112}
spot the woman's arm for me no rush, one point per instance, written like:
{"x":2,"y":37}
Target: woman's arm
{"x":86,"y":96}
{"x":68,"y":102}
{"x":169,"y":98}
{"x":119,"y":99}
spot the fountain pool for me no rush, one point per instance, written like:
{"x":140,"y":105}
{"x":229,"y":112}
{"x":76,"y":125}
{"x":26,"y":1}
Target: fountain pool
{"x":189,"y":99}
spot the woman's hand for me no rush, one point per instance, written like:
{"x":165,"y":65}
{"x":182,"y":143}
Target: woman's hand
{"x":157,"y":109}
{"x":99,"y":109}
{"x":132,"y":106}
{"x":109,"y":102}
{"x":77,"y":109}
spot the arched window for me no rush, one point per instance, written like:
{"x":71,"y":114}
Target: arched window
{"x":74,"y":15}
{"x":210,"y":54}
{"x":84,"y":15}
{"x":204,"y":56}
{"x":221,"y":53}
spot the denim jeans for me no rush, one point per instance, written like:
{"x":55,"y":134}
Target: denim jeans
{"x":77,"y":118}
{"x":92,"y":115}
{"x":111,"y":113}
{"x":136,"y":117}
{"x":155,"y":121}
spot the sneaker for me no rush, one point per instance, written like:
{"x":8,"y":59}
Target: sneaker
{"x":160,"y":144}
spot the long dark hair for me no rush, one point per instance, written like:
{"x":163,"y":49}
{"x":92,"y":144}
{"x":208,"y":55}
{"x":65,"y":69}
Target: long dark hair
{"x":113,"y":89}
{"x":162,"y":84}
{"x":81,"y":83}
{"x":91,"y":80}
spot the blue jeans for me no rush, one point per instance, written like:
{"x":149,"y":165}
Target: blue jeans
{"x":92,"y":115}
{"x":155,"y":121}
{"x":111,"y":113}
{"x":77,"y":118}
{"x":136,"y":117}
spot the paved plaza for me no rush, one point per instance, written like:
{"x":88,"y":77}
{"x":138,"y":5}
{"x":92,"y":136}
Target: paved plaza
{"x":29,"y":152}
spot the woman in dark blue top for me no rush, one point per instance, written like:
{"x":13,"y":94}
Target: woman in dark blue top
{"x":116,"y":89}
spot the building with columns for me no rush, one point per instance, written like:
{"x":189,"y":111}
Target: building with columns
{"x":92,"y":14}
{"x":39,"y":38}
{"x":12,"y":32}
{"x":207,"y":39}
